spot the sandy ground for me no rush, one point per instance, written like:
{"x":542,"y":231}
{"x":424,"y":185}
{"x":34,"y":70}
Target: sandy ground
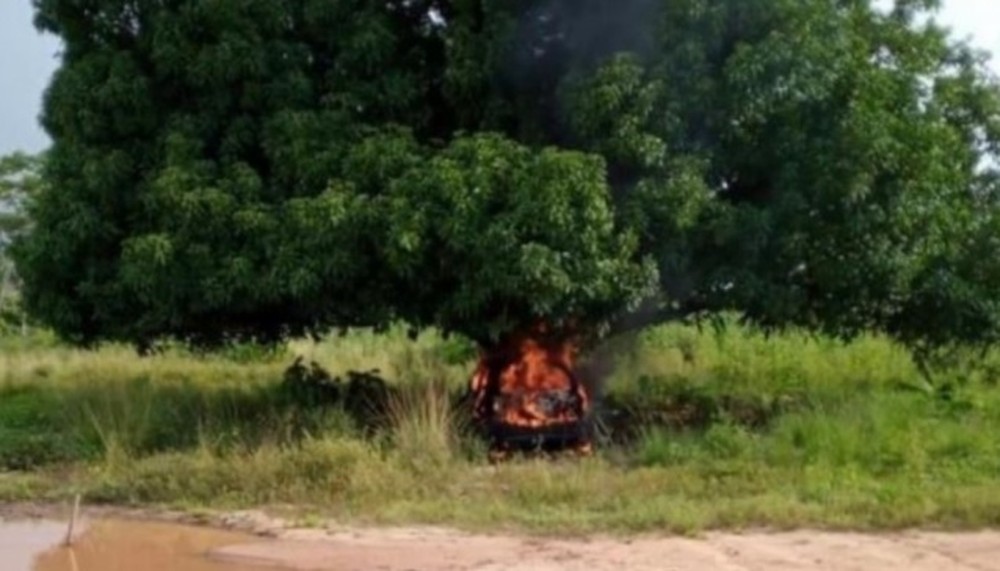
{"x":267,"y":542}
{"x":425,"y":549}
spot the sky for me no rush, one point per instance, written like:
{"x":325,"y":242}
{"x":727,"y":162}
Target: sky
{"x":27,"y":60}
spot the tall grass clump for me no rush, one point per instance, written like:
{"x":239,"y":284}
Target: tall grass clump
{"x":425,"y":427}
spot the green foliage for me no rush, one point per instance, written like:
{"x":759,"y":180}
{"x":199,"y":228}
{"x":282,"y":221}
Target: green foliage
{"x":31,"y":430}
{"x":264,"y":169}
{"x":20,"y":181}
{"x":491,"y":231}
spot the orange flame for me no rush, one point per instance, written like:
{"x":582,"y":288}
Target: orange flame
{"x":528,"y":381}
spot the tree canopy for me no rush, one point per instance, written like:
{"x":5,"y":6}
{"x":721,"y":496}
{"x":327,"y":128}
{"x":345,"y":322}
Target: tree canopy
{"x":267,"y":168}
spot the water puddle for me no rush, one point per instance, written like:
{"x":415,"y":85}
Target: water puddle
{"x":116,"y":546}
{"x":20,"y":542}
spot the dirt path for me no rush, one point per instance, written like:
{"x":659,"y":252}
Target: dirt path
{"x":423,"y":549}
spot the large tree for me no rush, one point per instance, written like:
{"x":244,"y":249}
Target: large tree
{"x":267,"y":168}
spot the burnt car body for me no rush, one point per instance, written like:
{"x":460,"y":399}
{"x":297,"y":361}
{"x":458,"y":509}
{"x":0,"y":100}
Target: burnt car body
{"x":523,"y":420}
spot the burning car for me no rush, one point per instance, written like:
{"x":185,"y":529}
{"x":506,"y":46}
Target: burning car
{"x":527,"y":397}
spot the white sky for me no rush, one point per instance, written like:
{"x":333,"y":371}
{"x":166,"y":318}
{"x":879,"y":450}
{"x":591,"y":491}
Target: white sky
{"x":27,"y":60}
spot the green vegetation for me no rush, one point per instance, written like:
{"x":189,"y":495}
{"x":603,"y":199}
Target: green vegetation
{"x":700,"y":429}
{"x":258,"y":171}
{"x":20,"y":181}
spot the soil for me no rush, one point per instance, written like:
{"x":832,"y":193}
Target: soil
{"x":246,"y":541}
{"x":425,"y":549}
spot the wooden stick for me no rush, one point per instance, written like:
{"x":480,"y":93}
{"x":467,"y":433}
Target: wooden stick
{"x":72,"y":521}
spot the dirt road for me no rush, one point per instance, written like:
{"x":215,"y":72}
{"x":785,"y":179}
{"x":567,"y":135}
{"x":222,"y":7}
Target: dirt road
{"x":421,"y":549}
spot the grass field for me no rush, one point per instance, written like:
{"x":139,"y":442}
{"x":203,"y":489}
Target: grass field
{"x":701,"y":429}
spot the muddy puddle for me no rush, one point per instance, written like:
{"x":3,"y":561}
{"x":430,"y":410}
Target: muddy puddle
{"x":116,"y":546}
